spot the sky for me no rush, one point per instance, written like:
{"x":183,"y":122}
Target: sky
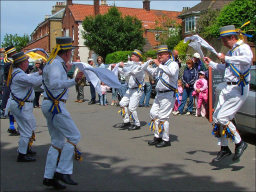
{"x":22,"y":17}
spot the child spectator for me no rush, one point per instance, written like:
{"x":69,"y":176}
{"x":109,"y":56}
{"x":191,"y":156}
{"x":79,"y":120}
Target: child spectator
{"x":103,"y":97}
{"x":189,"y":77}
{"x":179,"y":98}
{"x":201,"y":93}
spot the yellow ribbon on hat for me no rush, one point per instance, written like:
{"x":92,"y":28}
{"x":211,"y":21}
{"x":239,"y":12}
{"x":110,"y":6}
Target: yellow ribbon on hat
{"x":56,"y":50}
{"x":242,"y":33}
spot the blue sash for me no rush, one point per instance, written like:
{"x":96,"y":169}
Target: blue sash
{"x":241,"y":76}
{"x":20,"y":102}
{"x":140,"y":85}
{"x":55,"y":108}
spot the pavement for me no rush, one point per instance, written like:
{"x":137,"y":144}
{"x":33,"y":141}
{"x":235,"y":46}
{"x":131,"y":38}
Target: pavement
{"x":121,"y":160}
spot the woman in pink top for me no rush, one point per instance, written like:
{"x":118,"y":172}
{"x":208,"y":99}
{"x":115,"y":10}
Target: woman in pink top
{"x":201,"y":92}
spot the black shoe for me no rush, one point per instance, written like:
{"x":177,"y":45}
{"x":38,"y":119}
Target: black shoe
{"x":239,"y":150}
{"x":224,"y":152}
{"x":53,"y":182}
{"x":125,"y":125}
{"x":13,"y":132}
{"x":25,"y":158}
{"x":141,"y":105}
{"x":91,"y":102}
{"x":30,"y":152}
{"x":155,"y":141}
{"x":133,"y":127}
{"x":65,"y":178}
{"x":163,"y":144}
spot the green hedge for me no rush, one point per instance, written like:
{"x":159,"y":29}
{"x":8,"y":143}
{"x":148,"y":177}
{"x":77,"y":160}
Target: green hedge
{"x":117,"y":57}
{"x":182,"y":49}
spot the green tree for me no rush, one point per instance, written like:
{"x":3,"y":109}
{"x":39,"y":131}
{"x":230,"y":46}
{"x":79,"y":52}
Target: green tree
{"x":169,"y":31}
{"x":205,"y":21}
{"x":19,"y":42}
{"x":237,"y":13}
{"x":111,"y":32}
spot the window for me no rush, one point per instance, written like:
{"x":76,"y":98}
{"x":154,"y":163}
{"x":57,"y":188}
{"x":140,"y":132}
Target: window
{"x":190,"y":24}
{"x":67,"y":33}
{"x":73,"y":33}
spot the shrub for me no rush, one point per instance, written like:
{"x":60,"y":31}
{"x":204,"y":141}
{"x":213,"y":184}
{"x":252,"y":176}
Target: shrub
{"x":117,"y":56}
{"x":182,"y":49}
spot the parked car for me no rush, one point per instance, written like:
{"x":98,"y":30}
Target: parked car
{"x":245,"y":118}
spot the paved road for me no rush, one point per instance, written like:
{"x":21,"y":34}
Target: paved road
{"x":121,"y":160}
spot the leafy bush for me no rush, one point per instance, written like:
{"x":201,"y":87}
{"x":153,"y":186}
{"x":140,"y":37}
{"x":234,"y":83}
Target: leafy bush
{"x":117,"y":56}
{"x":182,"y":49}
{"x":237,"y":13}
{"x":150,"y":53}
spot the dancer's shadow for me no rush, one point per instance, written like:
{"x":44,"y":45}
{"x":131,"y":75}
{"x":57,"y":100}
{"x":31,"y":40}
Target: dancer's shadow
{"x":223,"y":164}
{"x":118,"y":125}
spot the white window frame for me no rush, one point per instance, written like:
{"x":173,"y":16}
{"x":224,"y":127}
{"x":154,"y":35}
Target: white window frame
{"x":190,"y":24}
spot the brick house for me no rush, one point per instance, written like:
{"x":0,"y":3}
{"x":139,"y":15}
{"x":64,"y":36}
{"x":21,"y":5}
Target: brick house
{"x":75,"y":13}
{"x":190,"y":16}
{"x":44,"y":35}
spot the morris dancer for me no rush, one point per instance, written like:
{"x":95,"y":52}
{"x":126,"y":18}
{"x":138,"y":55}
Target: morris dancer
{"x":236,"y":65}
{"x":167,"y":76}
{"x":63,"y":131}
{"x":130,"y":100}
{"x":9,"y":52}
{"x":21,"y":104}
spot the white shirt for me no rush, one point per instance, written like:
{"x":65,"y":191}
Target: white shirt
{"x":170,"y":74}
{"x":138,"y":72}
{"x":241,"y":58}
{"x":22,"y":83}
{"x":56,"y":79}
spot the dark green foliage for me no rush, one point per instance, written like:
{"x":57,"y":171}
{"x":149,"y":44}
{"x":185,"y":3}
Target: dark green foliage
{"x":117,"y":56}
{"x":237,"y":13}
{"x":204,"y":23}
{"x":111,"y":32}
{"x":19,"y":42}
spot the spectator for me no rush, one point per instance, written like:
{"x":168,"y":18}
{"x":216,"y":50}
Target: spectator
{"x":199,"y":65}
{"x":103,"y":97}
{"x":175,"y":54}
{"x":147,"y":90}
{"x":80,"y":88}
{"x":179,"y":98}
{"x":100,"y":62}
{"x":201,"y":92}
{"x":189,"y":77}
{"x":38,"y":89}
{"x":92,"y":89}
{"x":114,"y":91}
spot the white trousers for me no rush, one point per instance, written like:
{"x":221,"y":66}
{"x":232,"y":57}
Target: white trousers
{"x":160,"y":113}
{"x":230,"y":101}
{"x":130,"y":102}
{"x":61,"y":128}
{"x":26,"y":123}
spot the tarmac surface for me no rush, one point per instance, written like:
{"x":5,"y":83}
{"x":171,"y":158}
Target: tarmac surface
{"x":121,"y":160}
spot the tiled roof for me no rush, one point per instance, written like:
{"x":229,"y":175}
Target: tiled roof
{"x":204,"y":5}
{"x":148,"y":18}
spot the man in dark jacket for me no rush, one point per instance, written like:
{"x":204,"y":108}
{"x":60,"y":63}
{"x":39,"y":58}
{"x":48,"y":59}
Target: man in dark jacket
{"x":189,"y":77}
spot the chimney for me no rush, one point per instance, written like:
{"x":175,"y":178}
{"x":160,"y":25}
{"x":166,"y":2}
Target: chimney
{"x":185,"y":9}
{"x":96,"y":7}
{"x":146,"y":5}
{"x":58,"y":7}
{"x":103,"y":2}
{"x":69,"y":2}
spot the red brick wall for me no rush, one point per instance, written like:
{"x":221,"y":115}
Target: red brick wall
{"x":67,"y":23}
{"x":40,"y":43}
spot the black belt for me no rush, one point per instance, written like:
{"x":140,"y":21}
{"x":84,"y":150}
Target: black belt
{"x":164,"y":91}
{"x":62,"y":100}
{"x":134,"y":88}
{"x":231,"y":83}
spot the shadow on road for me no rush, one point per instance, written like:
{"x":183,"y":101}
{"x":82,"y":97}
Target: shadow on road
{"x":226,"y":163}
{"x":107,"y":173}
